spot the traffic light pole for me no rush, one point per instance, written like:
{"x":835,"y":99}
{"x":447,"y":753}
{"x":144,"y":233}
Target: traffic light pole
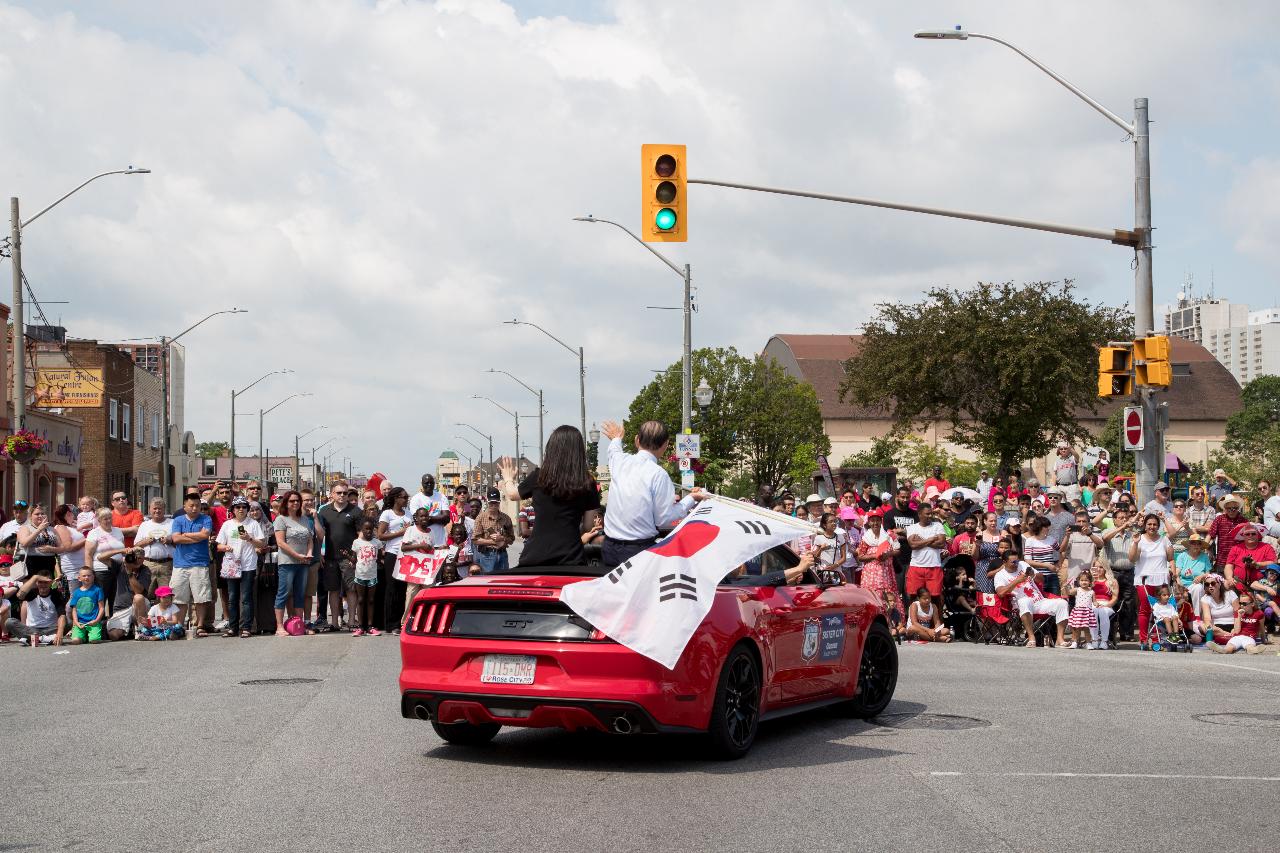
{"x":1148,"y":462}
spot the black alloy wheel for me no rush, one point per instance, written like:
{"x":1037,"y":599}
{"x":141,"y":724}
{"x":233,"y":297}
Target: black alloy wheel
{"x":466,"y":734}
{"x":735,"y":716}
{"x":877,"y":674}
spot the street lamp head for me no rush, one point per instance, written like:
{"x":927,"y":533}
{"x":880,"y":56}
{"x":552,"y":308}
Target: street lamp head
{"x":704,"y":393}
{"x":958,"y":34}
{"x":137,"y":170}
{"x":587,"y":218}
{"x":594,"y":435}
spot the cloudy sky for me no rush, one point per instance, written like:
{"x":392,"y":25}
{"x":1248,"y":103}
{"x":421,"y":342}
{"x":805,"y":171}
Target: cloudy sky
{"x":382,"y":183}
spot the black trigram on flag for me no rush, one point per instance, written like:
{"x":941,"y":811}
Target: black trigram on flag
{"x":616,"y":574}
{"x":758,"y":528}
{"x":703,"y":510}
{"x":670,"y":586}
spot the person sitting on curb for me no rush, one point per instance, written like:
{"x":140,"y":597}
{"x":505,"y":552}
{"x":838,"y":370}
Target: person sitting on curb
{"x":44,"y":618}
{"x":162,"y":622}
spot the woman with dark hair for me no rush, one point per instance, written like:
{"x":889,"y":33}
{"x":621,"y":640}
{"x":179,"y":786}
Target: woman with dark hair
{"x":562,"y":490}
{"x":390,"y":593}
{"x":71,"y":554}
{"x":295,"y":542}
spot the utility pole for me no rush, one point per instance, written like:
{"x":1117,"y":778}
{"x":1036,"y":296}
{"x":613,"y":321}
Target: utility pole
{"x":21,"y":470}
{"x":1149,"y":460}
{"x":686,"y":400}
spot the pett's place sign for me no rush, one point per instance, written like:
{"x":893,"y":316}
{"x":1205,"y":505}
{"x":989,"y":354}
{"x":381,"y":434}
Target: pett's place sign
{"x":65,"y":442}
{"x":68,"y":388}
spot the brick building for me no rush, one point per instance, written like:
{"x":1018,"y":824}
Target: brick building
{"x":122,"y":436}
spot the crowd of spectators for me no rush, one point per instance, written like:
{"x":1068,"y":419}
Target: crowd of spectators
{"x":283,"y":565}
{"x":1077,"y":564}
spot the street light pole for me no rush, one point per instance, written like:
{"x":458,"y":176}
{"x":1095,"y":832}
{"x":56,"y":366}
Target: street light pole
{"x":515,"y":416}
{"x":165,"y":385}
{"x":235,"y":394}
{"x":492,"y":472}
{"x":582,"y":368}
{"x":297,"y":461}
{"x":686,"y":397}
{"x":479,"y":449}
{"x":262,"y":459}
{"x":22,"y":470}
{"x":537,"y":393}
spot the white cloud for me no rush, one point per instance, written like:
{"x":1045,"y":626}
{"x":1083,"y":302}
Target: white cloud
{"x":382,"y":184}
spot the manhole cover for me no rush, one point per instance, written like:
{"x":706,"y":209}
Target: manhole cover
{"x":1246,"y":721}
{"x":271,"y":682}
{"x":939,"y":722}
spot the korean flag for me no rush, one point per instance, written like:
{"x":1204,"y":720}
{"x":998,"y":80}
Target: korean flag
{"x":654,"y":602}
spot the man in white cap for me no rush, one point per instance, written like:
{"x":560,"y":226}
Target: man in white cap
{"x":1222,"y":486}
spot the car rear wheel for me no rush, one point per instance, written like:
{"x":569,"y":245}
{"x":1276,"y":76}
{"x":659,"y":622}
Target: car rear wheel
{"x":735,"y":716}
{"x":877,"y":673}
{"x":466,"y":734}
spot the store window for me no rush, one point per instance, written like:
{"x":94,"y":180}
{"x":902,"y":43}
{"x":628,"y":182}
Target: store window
{"x":113,"y":417}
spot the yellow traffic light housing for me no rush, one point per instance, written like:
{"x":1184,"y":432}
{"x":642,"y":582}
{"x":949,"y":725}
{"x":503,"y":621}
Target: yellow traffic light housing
{"x":1151,"y":362}
{"x":1115,"y":377}
{"x":664,"y":180}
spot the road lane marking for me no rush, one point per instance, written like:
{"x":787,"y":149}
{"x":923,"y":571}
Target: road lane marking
{"x":1238,"y":666}
{"x":1170,"y":776}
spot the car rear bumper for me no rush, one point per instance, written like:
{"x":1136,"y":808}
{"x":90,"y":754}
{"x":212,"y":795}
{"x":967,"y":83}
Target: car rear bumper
{"x":534,"y":712}
{"x":576,"y":685}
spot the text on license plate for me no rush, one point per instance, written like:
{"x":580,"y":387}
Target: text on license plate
{"x":508,"y":669}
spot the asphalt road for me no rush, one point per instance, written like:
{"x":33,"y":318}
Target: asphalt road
{"x":159,"y":746}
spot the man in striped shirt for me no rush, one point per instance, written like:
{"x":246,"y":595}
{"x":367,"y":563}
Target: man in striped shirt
{"x":1223,"y":524}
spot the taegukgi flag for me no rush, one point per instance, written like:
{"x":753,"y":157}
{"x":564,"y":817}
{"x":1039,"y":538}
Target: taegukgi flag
{"x":654,"y":602}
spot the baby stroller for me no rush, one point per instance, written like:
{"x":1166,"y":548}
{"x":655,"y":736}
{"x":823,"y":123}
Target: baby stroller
{"x":1158,"y":639}
{"x":963,"y":623}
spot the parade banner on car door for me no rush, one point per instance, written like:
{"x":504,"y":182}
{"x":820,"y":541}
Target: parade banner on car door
{"x":654,"y":602}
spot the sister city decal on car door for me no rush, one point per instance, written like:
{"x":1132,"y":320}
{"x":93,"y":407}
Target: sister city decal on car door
{"x":653,"y":602}
{"x":832,"y":637}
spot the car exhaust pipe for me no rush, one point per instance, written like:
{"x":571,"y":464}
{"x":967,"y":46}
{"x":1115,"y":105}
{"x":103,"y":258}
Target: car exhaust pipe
{"x":422,"y":712}
{"x":622,"y":725}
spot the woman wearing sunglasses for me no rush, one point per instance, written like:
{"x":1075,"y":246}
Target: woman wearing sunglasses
{"x":1219,"y":612}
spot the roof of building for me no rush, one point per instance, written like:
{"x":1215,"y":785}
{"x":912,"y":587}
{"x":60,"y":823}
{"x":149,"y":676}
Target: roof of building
{"x":1208,"y":391}
{"x":448,"y":454}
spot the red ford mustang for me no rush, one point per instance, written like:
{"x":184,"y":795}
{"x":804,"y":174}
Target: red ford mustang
{"x":502,"y":650}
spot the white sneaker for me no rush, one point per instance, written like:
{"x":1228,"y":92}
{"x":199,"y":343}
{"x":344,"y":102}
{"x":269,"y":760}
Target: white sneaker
{"x":221,"y":625}
{"x":1071,"y":645}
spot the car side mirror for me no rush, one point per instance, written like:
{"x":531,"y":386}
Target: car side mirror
{"x":830,"y":577}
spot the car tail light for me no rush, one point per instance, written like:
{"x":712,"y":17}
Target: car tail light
{"x":597,"y":634}
{"x":430,"y":617}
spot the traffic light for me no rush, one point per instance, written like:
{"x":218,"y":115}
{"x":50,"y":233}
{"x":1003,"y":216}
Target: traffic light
{"x":1115,"y":377}
{"x":664,"y":178}
{"x":1151,"y":362}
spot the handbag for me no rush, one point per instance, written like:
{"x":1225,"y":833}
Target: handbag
{"x":230,"y":566}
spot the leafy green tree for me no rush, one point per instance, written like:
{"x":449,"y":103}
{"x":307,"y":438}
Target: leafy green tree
{"x":1005,"y":366}
{"x":1252,"y":428}
{"x":883,"y":453}
{"x":212,"y":449}
{"x":758,"y":422}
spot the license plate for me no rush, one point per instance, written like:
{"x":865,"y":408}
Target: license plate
{"x":508,"y":669}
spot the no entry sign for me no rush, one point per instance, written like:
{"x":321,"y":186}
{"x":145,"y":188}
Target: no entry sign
{"x":1131,"y":428}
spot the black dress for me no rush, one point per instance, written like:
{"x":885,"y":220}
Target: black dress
{"x":556,"y":539}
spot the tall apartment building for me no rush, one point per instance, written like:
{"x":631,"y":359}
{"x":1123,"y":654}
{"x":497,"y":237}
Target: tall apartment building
{"x":1246,"y":342}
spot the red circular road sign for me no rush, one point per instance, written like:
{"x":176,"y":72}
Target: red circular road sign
{"x":1133,"y":428}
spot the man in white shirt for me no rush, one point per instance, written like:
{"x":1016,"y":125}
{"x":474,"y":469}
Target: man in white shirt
{"x":10,"y":527}
{"x":153,"y":539}
{"x":927,"y":537}
{"x":1018,"y":578}
{"x":984,"y":484}
{"x":432,"y":500}
{"x":642,"y":499}
{"x":1160,"y":504}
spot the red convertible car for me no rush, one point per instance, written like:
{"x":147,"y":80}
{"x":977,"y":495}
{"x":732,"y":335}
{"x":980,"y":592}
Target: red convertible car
{"x":502,"y":650}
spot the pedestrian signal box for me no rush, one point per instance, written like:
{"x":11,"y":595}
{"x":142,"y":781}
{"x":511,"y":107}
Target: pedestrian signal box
{"x":664,"y":179}
{"x":1115,"y":372}
{"x":1151,"y":362}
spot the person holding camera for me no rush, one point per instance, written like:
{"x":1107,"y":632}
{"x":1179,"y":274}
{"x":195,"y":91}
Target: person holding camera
{"x":1152,"y":558}
{"x":239,"y":541}
{"x":1079,"y":548}
{"x":131,"y":580}
{"x":1247,"y":557}
{"x":153,"y":538}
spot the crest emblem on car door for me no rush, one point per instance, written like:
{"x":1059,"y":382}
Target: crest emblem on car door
{"x":812,"y":632}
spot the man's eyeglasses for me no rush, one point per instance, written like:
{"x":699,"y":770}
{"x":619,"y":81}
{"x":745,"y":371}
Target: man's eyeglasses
{"x":119,"y":498}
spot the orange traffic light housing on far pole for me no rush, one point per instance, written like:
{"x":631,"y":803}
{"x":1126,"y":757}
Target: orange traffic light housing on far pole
{"x":1151,"y":362}
{"x":1115,"y":372}
{"x":664,"y":179}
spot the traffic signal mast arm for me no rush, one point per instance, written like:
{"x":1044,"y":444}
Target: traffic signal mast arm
{"x":1116,"y":235}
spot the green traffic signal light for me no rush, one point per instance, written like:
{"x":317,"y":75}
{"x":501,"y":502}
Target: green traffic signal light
{"x":665,"y":219}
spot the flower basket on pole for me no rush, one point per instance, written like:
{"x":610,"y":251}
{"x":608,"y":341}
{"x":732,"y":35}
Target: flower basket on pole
{"x":23,"y":446}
